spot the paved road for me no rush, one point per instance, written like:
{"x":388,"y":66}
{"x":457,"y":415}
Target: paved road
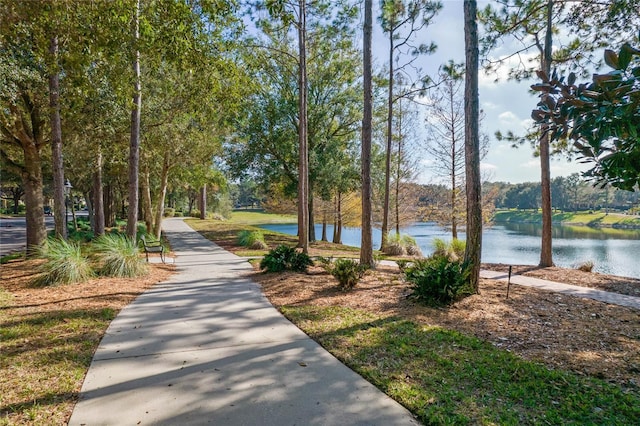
{"x":207,"y":347}
{"x":13,"y":234}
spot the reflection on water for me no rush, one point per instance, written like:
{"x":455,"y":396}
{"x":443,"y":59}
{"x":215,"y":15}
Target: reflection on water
{"x":613,"y":251}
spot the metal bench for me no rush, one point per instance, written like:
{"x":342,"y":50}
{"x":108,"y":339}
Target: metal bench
{"x":152,"y":247}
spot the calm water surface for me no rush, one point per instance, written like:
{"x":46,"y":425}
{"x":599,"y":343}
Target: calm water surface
{"x":612,"y":251}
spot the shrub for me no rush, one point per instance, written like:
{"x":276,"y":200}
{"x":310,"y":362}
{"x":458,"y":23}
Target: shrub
{"x":64,"y":263}
{"x":438,"y":280}
{"x":452,"y":250}
{"x":348,"y":272}
{"x":586,"y":266}
{"x":195,"y":213}
{"x":252,"y":239}
{"x":283,"y":258}
{"x":169,"y":212}
{"x":118,"y":256}
{"x":401,"y":245}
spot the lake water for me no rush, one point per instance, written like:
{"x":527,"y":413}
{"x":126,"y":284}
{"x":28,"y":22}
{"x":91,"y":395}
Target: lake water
{"x":612,"y":251}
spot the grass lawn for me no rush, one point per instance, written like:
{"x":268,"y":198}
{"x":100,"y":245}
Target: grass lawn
{"x":446,"y":377}
{"x":442,"y":375}
{"x":594,"y":219}
{"x":48,"y":336}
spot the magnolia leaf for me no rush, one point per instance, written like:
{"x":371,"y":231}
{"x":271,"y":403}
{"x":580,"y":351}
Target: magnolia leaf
{"x":541,"y":87}
{"x":611,"y":59}
{"x":538,"y":115}
{"x":624,"y":58}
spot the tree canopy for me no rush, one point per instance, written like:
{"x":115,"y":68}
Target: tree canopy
{"x":601,"y":118}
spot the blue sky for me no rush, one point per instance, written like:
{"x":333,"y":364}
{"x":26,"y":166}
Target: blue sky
{"x":507,"y":104}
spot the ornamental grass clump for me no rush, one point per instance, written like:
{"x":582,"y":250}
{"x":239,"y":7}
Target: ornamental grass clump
{"x":64,"y":263}
{"x":401,"y":245}
{"x":118,"y":256}
{"x":283,"y":258}
{"x":252,"y":239}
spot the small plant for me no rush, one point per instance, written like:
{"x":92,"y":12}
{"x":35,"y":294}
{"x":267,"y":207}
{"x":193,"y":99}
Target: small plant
{"x":452,"y":250}
{"x":118,"y":256}
{"x":169,"y":212}
{"x":438,"y":280}
{"x":586,"y":266}
{"x":403,"y":264}
{"x":401,"y":245}
{"x":64,"y":263}
{"x":348,"y":272}
{"x":252,"y":239}
{"x":283,"y":258}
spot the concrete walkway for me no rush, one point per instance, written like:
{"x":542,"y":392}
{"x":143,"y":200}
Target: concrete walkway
{"x":568,"y":289}
{"x":207,"y":347}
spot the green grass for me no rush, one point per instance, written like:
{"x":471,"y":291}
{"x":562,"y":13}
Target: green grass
{"x":57,"y":348}
{"x":12,"y":256}
{"x":446,"y":377}
{"x":118,"y":256}
{"x":258,"y":218}
{"x":568,"y":218}
{"x":226,"y":232}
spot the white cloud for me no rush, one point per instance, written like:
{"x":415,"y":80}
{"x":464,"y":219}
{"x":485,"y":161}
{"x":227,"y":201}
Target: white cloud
{"x":488,"y":167}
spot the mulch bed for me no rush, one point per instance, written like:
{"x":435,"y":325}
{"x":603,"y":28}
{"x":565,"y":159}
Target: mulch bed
{"x":563,"y":332}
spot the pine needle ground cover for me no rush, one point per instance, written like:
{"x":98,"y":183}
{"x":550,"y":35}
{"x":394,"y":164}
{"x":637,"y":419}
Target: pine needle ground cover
{"x":48,"y":336}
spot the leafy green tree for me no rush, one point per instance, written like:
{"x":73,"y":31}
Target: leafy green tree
{"x":602,"y":118}
{"x":533,"y":24}
{"x":402,"y":21}
{"x":269,"y":147}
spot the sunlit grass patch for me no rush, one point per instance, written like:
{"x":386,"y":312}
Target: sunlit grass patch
{"x":44,"y":356}
{"x":446,"y":377}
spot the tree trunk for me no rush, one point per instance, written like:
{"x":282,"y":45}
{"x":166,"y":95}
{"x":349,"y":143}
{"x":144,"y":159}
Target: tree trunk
{"x":337,"y":236}
{"x":56,"y":139}
{"x":454,"y":165}
{"x":134,"y":146}
{"x":387,"y":167}
{"x":98,"y":197}
{"x":546,"y":251}
{"x":324,"y":227}
{"x":366,"y":246}
{"x":303,"y":162}
{"x":164,"y":182}
{"x":147,"y":204}
{"x":73,"y":215}
{"x":32,"y":182}
{"x":472,"y":145}
{"x":203,"y":202}
{"x":312,"y":220}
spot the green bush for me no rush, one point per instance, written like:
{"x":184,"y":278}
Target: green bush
{"x":283,"y":258}
{"x":347,"y":271}
{"x":169,"y":212}
{"x":64,"y":263}
{"x":438,"y":280}
{"x":252,"y":239}
{"x":118,"y":256}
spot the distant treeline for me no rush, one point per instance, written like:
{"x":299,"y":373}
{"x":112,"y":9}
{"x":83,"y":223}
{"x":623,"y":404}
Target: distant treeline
{"x":570,"y":193}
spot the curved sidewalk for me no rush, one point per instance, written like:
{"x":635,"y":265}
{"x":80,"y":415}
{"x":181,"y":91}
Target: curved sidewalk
{"x":206,"y":347}
{"x":568,"y":289}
